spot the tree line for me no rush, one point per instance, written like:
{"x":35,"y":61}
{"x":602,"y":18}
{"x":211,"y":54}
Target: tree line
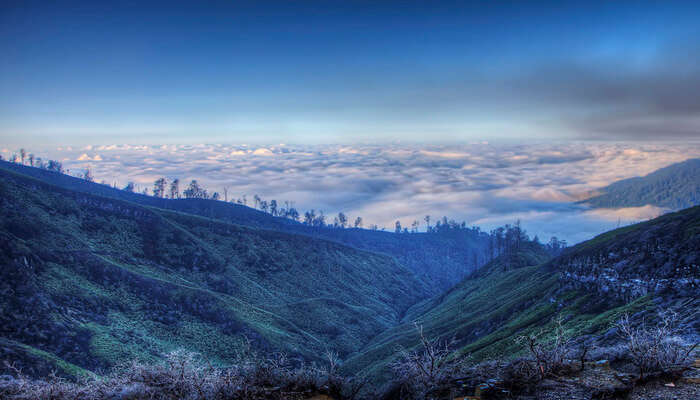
{"x":31,"y":160}
{"x":502,"y":240}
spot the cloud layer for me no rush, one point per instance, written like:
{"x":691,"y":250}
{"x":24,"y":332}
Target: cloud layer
{"x":484,"y":184}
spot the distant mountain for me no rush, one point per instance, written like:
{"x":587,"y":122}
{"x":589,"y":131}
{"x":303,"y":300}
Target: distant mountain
{"x":637,"y":269}
{"x":440,"y":259}
{"x":674,"y":187}
{"x":90,"y":281}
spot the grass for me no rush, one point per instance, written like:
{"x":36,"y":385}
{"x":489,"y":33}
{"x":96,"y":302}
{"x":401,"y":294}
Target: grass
{"x":487,"y":312}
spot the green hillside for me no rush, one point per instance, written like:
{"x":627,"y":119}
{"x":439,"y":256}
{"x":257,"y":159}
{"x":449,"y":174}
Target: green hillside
{"x":440,"y":259}
{"x":674,"y":187}
{"x":652,"y":265}
{"x":90,"y":281}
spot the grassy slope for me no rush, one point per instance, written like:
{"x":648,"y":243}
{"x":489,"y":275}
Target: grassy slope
{"x":441,"y":260}
{"x":675,"y":187}
{"x":95,"y":281}
{"x":486,"y":312}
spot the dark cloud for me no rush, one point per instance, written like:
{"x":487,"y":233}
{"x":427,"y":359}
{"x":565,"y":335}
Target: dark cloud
{"x":620,"y":99}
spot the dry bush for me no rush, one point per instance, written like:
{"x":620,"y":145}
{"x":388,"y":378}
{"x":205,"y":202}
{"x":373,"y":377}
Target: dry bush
{"x":657,"y":350}
{"x":186,"y":376}
{"x":423,"y":373}
{"x":552,"y":359}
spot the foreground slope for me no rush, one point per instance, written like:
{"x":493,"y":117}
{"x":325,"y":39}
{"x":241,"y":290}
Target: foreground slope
{"x":637,"y":269}
{"x":88,"y":281}
{"x":439,"y":259}
{"x":674,"y":187}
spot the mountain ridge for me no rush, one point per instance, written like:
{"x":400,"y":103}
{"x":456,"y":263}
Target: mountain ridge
{"x":97,"y":280}
{"x":440,"y":259}
{"x":674,"y":187}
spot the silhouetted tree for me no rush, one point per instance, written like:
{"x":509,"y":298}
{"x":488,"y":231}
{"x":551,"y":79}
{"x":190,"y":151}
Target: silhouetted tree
{"x":159,"y":187}
{"x":309,"y":217}
{"x":194,"y":191}
{"x":273,"y":207}
{"x":175,"y":189}
{"x":216,"y":196}
{"x":320,"y":220}
{"x":129,"y":187}
{"x":55,"y":166}
{"x":358,"y":222}
{"x":427,"y":223}
{"x":88,"y":175}
{"x":342,"y":220}
{"x":31,"y":159}
{"x":293,"y":214}
{"x":398,"y":227}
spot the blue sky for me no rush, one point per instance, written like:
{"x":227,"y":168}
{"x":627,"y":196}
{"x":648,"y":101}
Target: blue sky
{"x":327,"y":72}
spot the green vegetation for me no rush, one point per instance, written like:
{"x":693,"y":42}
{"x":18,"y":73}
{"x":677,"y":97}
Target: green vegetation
{"x":97,"y":281}
{"x":89,"y":282}
{"x":440,"y":258}
{"x":516,"y":295}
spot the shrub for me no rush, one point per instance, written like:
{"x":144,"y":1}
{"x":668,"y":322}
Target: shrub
{"x":429,"y":370}
{"x":186,"y":376}
{"x":554,"y":358}
{"x":657,"y":350}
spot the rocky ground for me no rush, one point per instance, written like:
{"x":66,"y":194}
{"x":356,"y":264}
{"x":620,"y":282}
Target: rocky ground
{"x":603,"y":382}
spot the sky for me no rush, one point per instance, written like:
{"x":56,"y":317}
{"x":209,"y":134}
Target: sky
{"x":310,"y":73}
{"x":484,"y":184}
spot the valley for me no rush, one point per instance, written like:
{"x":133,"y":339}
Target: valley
{"x":94,"y":277}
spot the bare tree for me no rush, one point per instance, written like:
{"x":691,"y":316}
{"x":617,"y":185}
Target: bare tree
{"x":549,"y":358}
{"x":428,"y":369}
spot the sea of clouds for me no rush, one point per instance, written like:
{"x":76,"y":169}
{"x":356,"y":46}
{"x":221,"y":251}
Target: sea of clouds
{"x":484,"y":184}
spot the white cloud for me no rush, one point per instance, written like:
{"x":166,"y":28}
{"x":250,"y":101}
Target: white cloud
{"x":262,"y":152}
{"x":480,"y":183}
